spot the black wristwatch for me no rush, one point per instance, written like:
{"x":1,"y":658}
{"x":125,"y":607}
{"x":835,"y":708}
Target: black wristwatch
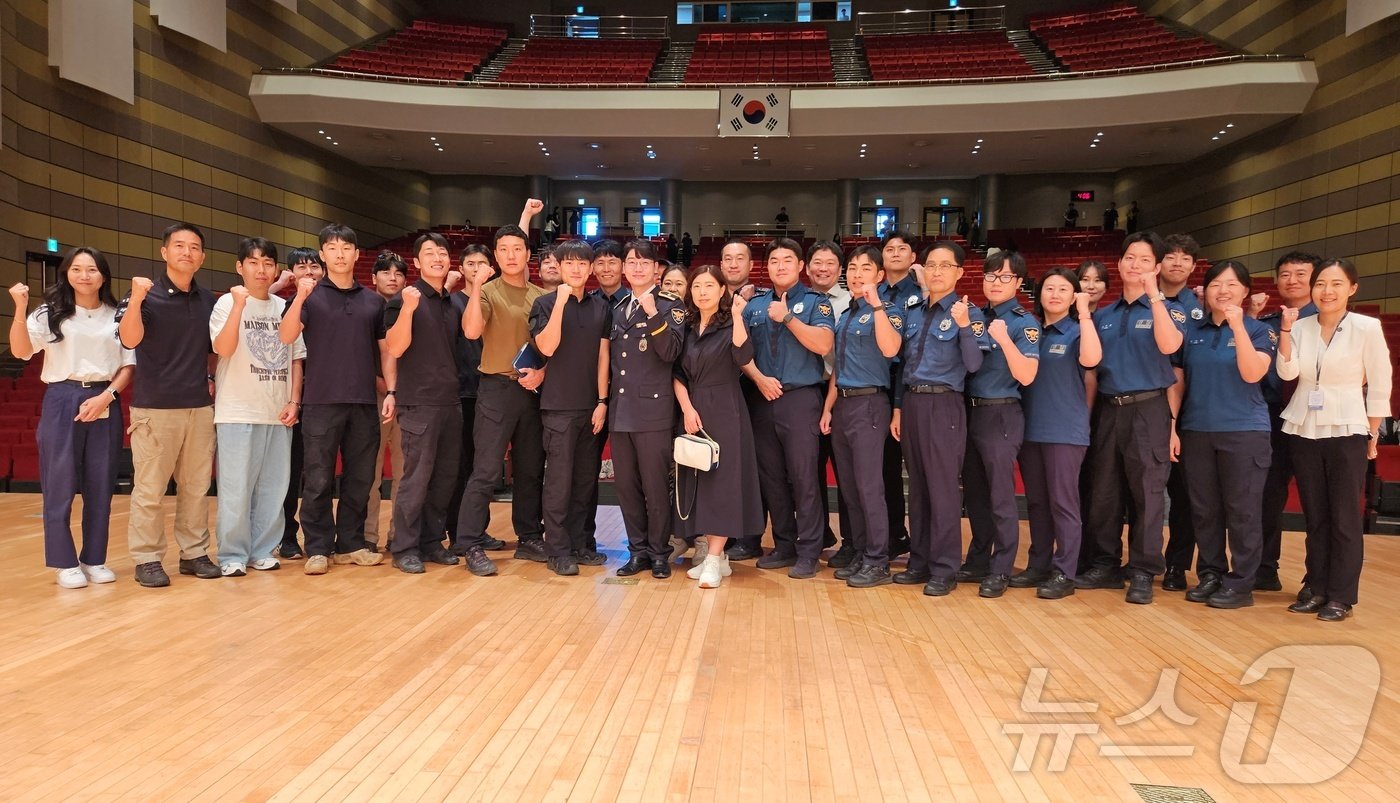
{"x":603,"y":401}
{"x":391,"y":393}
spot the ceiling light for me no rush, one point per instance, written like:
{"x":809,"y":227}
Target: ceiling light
{"x":395,"y":158}
{"x":1214,"y":138}
{"x":979,"y":142}
{"x":1229,"y":125}
{"x":595,"y":146}
{"x":335,"y":143}
{"x":1221,"y":131}
{"x":488,"y":142}
{"x":644,"y":202}
{"x":1093,"y":144}
{"x":541,"y":143}
{"x":327,"y":137}
{"x":862,"y":144}
{"x":434,"y":139}
{"x":580,"y":202}
{"x":1099,"y":134}
{"x":320,"y":132}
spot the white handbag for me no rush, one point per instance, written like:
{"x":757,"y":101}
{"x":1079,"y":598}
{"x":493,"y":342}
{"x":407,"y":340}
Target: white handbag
{"x":698,"y":451}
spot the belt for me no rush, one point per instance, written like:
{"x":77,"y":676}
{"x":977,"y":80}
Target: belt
{"x":1133,"y":398}
{"x":846,"y":393}
{"x":78,"y":383}
{"x":791,"y":388}
{"x":976,"y":401}
{"x":931,"y":389}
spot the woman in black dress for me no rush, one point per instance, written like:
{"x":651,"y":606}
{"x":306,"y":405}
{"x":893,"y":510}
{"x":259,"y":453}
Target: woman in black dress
{"x":726,"y":502}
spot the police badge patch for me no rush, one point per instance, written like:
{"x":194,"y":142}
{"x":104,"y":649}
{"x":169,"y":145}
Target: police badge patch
{"x":896,"y":321}
{"x":642,"y":345}
{"x":824,"y":308}
{"x":945,"y":325}
{"x":1196,"y":314}
{"x":978,"y":327}
{"x":1032,"y":335}
{"x":1178,"y":316}
{"x":797,"y":310}
{"x":678,"y":315}
{"x":1273,"y":337}
{"x":864,"y":318}
{"x":912,"y":302}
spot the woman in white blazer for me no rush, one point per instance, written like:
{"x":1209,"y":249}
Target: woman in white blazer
{"x":1342,"y":366}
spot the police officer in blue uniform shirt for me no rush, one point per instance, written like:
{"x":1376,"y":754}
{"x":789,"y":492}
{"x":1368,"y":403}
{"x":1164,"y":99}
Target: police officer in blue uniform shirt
{"x":1139,"y":393}
{"x":901,"y":289}
{"x":857,"y":415}
{"x":1177,"y":267}
{"x":1293,"y":279}
{"x":996,"y":426}
{"x":791,"y":328}
{"x":1224,"y":428}
{"x":648,"y":332}
{"x":941,"y":347}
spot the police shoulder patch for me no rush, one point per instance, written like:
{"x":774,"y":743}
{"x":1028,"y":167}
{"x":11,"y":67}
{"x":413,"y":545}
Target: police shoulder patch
{"x":1032,"y":335}
{"x":897,"y":321}
{"x":1019,"y":310}
{"x":912,"y":302}
{"x":1178,"y":316}
{"x":824,"y":308}
{"x":678,"y":315}
{"x":668,"y":295}
{"x":1273,"y":337}
{"x":978,"y":328}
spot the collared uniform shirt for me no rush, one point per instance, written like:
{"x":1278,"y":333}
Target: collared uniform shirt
{"x":427,"y":370}
{"x":1217,"y":398}
{"x":642,"y":351}
{"x":859,"y":361}
{"x":172,"y":359}
{"x":342,"y":331}
{"x":1131,"y":362}
{"x":840,"y":299}
{"x":89,"y":351}
{"x":1055,"y":406}
{"x":777,"y":353}
{"x":571,"y":381}
{"x":994,"y":380}
{"x":936,"y":350}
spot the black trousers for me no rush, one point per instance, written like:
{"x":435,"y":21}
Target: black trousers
{"x":507,"y":415}
{"x":1275,"y":495}
{"x":859,"y":426}
{"x":932,"y":427}
{"x":590,"y":518}
{"x":786,"y":442}
{"x":432,"y":443}
{"x":825,"y":457}
{"x":465,"y":464}
{"x":892,"y":467}
{"x":642,"y":479}
{"x":1133,"y":444}
{"x":994,"y":436}
{"x":1331,"y":481}
{"x":289,"y":504}
{"x":1225,"y":473}
{"x":1181,"y":530}
{"x":1050,"y":472}
{"x":570,"y":475}
{"x":352,"y":432}
{"x":754,"y":400}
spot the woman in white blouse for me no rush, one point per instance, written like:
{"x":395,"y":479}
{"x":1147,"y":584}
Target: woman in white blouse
{"x":1342,"y":365}
{"x":79,"y":436}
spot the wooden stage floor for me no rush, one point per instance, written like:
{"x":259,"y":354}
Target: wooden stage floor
{"x":371,"y":684}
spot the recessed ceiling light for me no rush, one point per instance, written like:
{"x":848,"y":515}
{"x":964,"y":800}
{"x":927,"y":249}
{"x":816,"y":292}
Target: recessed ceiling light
{"x":979,"y":142}
{"x":328,"y":137}
{"x":862,"y":144}
{"x":1099,"y":134}
{"x":488,"y":142}
{"x":1214,"y":138}
{"x":920,"y":143}
{"x":320,"y":132}
{"x":595,"y":146}
{"x":434,"y":139}
{"x":335,"y":143}
{"x":541,"y":143}
{"x":1229,"y":125}
{"x":1093,"y":144}
{"x":862,"y":156}
{"x":1221,"y":131}
{"x":395,"y":158}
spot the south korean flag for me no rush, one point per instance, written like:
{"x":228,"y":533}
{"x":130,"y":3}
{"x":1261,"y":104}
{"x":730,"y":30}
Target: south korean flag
{"x":753,"y":112}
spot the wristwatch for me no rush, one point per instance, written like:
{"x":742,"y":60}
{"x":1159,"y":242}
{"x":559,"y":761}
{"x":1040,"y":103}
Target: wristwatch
{"x":788,"y":316}
{"x":1162,"y":297}
{"x":113,"y":394}
{"x":603,"y":401}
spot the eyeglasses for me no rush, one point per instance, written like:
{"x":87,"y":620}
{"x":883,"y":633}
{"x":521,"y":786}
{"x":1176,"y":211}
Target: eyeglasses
{"x":940,"y":267}
{"x":1004,"y":278}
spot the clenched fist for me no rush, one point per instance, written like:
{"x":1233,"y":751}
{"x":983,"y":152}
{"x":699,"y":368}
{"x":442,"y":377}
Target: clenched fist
{"x":482,"y":275}
{"x":304,"y":286}
{"x":997,"y":330}
{"x":871,"y":294}
{"x":140,"y":286}
{"x":564,"y":290}
{"x":1256,"y":304}
{"x":1081,"y":303}
{"x":411,"y":296}
{"x":454,"y":278}
{"x":648,"y":304}
{"x":1290,"y":317}
{"x":534,"y":206}
{"x":20,"y":293}
{"x":1234,"y":315}
{"x":240,"y":294}
{"x":736,"y":309}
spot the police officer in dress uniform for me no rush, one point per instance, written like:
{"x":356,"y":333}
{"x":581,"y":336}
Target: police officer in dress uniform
{"x":1139,"y":394}
{"x":791,"y":328}
{"x":648,"y":332}
{"x":996,"y":425}
{"x":941,"y":348}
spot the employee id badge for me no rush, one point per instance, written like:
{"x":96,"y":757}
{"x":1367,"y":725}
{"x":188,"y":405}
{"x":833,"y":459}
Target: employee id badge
{"x":1315,"y":400}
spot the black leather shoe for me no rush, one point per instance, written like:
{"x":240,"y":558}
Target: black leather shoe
{"x":972,"y":574}
{"x":1267,"y":581}
{"x":742,"y":551}
{"x":152,"y":575}
{"x":994,"y":586}
{"x":940,"y":586}
{"x":1309,"y":605}
{"x":1334,"y":612}
{"x":909,"y":577}
{"x":849,"y":570}
{"x":804,"y":569}
{"x":440,"y":556}
{"x":564,"y":567}
{"x":1030,"y":578}
{"x":899,"y":546}
{"x":478,"y":563}
{"x":843,"y":557}
{"x":776,"y":560}
{"x":1304,"y":594}
{"x":1210,"y":583}
{"x":1230,"y":598}
{"x":201,"y":567}
{"x":1099,"y":577}
{"x":634,"y":565}
{"x":289,"y":550}
{"x":1174,"y":580}
{"x":492,"y":544}
{"x":870,"y":576}
{"x":409,"y":564}
{"x":590,"y":557}
{"x":1058,"y":586}
{"x":531,"y":549}
{"x":660,"y":568}
{"x":1140,"y":589}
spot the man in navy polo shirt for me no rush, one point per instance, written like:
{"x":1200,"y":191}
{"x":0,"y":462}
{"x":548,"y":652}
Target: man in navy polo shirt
{"x":342,"y":324}
{"x":166,"y":321}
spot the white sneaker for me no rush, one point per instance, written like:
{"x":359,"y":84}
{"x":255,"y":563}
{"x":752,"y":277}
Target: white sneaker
{"x":265,"y":564}
{"x":702,"y":548}
{"x":72,"y":578}
{"x":233,"y":569}
{"x":710,"y":574}
{"x":724,"y":568}
{"x":99,"y":574}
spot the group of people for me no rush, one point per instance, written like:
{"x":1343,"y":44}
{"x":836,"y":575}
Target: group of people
{"x":1198,"y":395}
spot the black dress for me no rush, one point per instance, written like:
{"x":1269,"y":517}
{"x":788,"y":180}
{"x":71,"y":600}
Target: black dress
{"x":726,"y":499}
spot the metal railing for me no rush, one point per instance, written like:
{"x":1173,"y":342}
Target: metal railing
{"x":941,"y":20}
{"x":593,"y":27}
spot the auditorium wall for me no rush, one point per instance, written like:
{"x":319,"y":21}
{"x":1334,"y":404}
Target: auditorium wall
{"x":86,"y":168}
{"x":1326,"y":181}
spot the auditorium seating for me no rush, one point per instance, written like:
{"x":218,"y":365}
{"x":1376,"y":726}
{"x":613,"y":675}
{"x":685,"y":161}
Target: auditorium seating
{"x":782,"y":54}
{"x":427,"y":49}
{"x":1115,"y":36}
{"x":922,"y":56}
{"x":555,"y":60}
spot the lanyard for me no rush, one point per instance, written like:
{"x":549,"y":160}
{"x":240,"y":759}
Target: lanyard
{"x":1326,"y":344}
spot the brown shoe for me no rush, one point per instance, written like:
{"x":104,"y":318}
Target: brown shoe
{"x":317,"y":564}
{"x":360,"y":557}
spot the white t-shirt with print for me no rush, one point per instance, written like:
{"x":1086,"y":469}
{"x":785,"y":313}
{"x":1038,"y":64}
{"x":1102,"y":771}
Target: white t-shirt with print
{"x":253,"y":385}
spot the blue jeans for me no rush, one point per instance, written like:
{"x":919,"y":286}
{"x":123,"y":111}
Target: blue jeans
{"x":255,"y":465}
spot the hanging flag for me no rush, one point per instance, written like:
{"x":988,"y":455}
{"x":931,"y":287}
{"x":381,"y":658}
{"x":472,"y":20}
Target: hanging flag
{"x":753,"y":112}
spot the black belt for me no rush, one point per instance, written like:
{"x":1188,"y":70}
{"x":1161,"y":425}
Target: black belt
{"x":1124,"y":399}
{"x":931,"y":389}
{"x":846,"y":393}
{"x":78,"y":383}
{"x":791,"y":388}
{"x":976,"y":401}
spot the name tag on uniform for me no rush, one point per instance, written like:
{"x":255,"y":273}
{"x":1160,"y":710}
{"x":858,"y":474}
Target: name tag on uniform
{"x":1058,"y":348}
{"x":1231,"y":344}
{"x":1145,"y":323}
{"x":1315,"y":400}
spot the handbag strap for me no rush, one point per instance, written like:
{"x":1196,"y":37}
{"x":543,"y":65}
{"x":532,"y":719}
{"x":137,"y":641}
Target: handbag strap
{"x":693,"y":496}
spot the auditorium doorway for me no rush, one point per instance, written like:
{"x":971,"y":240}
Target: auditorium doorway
{"x":41,"y":268}
{"x":940,"y":221}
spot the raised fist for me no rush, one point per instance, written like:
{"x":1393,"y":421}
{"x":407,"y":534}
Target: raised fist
{"x":737,"y":308}
{"x":140,"y":286}
{"x":454,"y":278}
{"x":1234,"y":315}
{"x":534,"y":206}
{"x":564,"y":290}
{"x":1256,"y":304}
{"x":482,"y":275}
{"x":997,"y":330}
{"x":1082,"y":303}
{"x":410,"y":296}
{"x":304,"y":286}
{"x":648,"y":304}
{"x":239,"y":293}
{"x":746,"y":292}
{"x":871,"y":294}
{"x":20,"y":293}
{"x":1149,"y":284}
{"x":961,"y":317}
{"x":1290,"y":317}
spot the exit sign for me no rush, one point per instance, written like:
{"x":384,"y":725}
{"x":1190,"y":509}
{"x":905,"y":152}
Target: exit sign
{"x":53,"y":246}
{"x":1081,"y":195}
